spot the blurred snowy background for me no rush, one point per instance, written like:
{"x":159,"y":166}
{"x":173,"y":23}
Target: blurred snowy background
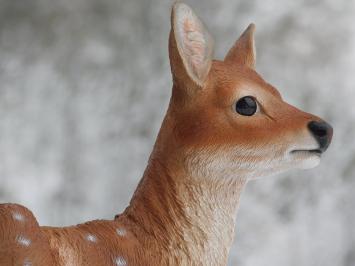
{"x":84,"y":85}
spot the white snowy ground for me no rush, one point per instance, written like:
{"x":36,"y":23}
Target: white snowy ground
{"x":84,"y":85}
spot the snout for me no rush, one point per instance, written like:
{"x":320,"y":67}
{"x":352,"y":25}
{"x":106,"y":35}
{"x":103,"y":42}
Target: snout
{"x":322,"y":132}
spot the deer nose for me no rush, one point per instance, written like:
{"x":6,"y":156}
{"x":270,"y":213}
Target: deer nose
{"x":322,"y":132}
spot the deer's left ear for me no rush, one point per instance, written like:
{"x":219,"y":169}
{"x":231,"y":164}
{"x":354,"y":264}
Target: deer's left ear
{"x":243,"y":51}
{"x":190,"y":46}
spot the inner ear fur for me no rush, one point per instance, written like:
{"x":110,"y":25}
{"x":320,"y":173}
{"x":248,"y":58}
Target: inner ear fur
{"x":190,"y":46}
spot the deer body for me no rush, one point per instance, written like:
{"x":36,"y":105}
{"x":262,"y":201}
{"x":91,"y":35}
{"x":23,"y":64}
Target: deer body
{"x":224,"y":126}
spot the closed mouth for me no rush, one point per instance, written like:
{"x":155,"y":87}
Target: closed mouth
{"x":313,"y":151}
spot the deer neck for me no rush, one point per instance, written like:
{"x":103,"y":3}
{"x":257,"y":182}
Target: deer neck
{"x":186,"y":218}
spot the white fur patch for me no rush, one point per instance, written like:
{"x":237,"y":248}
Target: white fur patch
{"x":121,"y":231}
{"x":91,"y":238}
{"x":227,"y":162}
{"x":27,"y":262}
{"x":120,"y":261}
{"x":18,"y":216}
{"x":23,"y":241}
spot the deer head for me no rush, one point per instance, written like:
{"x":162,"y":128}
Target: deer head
{"x":224,"y":118}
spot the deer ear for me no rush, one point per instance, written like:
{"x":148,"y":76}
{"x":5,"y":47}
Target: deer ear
{"x":243,"y":51}
{"x":190,"y":46}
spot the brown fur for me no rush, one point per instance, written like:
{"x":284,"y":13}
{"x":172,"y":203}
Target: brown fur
{"x":183,"y":211}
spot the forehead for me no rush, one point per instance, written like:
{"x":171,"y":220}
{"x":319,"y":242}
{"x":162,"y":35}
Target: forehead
{"x":227,"y":78}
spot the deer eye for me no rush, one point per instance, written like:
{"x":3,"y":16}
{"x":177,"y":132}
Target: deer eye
{"x":246,"y":106}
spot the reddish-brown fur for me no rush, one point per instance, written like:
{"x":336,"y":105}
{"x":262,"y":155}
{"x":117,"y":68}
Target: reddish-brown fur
{"x":183,"y":211}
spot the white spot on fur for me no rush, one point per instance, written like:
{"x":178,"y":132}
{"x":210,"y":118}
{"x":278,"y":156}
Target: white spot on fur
{"x":120,"y":261}
{"x":23,"y":241}
{"x":27,"y":262}
{"x":121,"y":231}
{"x":18,"y":216}
{"x":91,"y":238}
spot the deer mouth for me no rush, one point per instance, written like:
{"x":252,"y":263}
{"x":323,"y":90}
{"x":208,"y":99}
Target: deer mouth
{"x":313,"y":151}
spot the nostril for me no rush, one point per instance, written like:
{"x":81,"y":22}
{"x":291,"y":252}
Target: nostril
{"x":322,"y":132}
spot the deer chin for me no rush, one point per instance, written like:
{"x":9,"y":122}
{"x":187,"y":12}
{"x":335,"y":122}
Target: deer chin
{"x":306,"y":159}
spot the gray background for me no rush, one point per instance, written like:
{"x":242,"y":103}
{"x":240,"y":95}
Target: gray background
{"x":84,"y":85}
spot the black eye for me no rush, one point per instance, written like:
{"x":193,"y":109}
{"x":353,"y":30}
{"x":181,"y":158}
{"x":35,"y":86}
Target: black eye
{"x":246,"y":106}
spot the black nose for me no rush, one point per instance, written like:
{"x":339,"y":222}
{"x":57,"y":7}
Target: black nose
{"x":323,"y":133}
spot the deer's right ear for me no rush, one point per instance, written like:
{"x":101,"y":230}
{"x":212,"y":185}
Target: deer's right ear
{"x":190,"y":46}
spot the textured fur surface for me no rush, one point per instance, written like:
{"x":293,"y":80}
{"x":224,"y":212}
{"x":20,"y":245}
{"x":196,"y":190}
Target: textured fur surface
{"x":184,"y":209}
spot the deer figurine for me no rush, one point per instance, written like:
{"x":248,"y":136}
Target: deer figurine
{"x":224,"y":126}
